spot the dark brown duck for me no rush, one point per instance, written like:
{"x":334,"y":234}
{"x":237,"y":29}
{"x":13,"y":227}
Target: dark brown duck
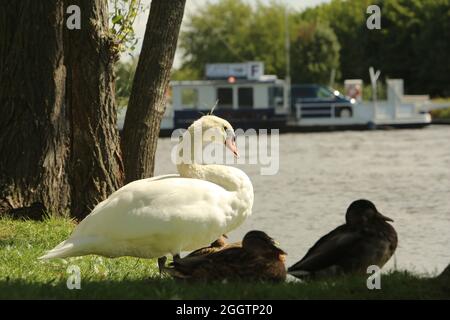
{"x":258,"y":259}
{"x":365,"y":239}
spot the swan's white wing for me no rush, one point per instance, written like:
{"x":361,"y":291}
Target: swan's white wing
{"x":183,"y":212}
{"x":129,"y":187}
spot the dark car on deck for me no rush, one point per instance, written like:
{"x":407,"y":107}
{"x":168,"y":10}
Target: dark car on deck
{"x":317,"y":101}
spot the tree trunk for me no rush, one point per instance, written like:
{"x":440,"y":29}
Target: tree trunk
{"x":33,"y":125}
{"x":147,"y":100}
{"x":96,"y":164}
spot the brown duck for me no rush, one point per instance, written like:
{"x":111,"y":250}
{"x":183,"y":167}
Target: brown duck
{"x":257,"y":259}
{"x":365,"y":239}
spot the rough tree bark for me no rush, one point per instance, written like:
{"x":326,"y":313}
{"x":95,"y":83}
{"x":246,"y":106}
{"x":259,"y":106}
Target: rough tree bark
{"x":96,"y":163}
{"x":33,"y":125}
{"x":59,"y":146}
{"x":147,"y":100}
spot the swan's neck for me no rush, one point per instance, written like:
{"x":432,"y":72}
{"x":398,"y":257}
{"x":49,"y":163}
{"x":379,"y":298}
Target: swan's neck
{"x":223,"y":176}
{"x":230,"y":178}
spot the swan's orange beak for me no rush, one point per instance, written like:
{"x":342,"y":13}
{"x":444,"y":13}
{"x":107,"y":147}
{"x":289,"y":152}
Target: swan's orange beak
{"x":231,"y":144}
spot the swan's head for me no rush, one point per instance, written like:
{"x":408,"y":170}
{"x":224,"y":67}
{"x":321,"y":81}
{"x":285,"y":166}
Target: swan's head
{"x":215,"y":129}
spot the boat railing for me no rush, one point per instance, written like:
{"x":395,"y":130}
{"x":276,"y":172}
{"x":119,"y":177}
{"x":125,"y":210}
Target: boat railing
{"x":329,"y":110}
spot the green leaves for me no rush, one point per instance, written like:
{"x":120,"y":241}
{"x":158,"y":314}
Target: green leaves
{"x":412,"y":43}
{"x":315,"y":53}
{"x":123,"y":15}
{"x":124,"y":78}
{"x":117,"y":19}
{"x":233,"y":31}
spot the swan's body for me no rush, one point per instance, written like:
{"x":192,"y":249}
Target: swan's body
{"x":154,"y":217}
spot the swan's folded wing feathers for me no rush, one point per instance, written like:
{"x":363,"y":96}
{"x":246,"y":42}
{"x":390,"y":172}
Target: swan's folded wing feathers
{"x":148,"y":208}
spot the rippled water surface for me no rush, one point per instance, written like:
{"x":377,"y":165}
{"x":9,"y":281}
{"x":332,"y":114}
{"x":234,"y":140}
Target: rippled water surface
{"x":406,"y":173}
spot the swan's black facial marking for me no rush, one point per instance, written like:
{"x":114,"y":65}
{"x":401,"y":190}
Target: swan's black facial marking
{"x":230,"y":135}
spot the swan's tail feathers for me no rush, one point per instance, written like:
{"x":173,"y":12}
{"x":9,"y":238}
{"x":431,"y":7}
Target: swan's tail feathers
{"x":67,"y":248}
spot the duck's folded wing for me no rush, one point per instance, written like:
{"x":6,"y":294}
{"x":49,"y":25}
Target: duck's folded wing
{"x":185,"y":268}
{"x":207,"y":266}
{"x":328,"y":250}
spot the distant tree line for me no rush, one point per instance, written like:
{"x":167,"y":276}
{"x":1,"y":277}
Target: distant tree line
{"x":413,"y":42}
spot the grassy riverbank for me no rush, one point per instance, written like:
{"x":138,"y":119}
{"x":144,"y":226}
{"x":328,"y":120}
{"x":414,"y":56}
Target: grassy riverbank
{"x":441,"y":114}
{"x":22,"y":276}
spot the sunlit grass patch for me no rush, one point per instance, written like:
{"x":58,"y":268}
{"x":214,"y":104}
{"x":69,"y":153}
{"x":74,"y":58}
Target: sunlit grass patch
{"x":23,"y":276}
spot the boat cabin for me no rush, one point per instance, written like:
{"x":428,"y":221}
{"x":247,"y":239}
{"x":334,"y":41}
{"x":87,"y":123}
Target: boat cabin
{"x":241,"y":92}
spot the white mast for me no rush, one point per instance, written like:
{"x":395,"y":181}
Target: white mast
{"x":287,"y":47}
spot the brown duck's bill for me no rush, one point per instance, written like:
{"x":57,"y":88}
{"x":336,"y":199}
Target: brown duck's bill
{"x":385,"y":218}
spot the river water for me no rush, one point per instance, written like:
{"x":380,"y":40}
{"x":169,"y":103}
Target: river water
{"x":406,"y":173}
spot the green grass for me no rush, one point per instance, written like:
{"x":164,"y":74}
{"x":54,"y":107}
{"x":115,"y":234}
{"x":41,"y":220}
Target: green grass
{"x":22,"y":276}
{"x":441,"y":100}
{"x":441,"y":113}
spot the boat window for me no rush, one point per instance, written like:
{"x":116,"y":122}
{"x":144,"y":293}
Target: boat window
{"x":225,"y":97}
{"x":245,"y":98}
{"x":276,"y":96}
{"x":304,"y":92}
{"x":324,"y":93}
{"x":189,"y":98}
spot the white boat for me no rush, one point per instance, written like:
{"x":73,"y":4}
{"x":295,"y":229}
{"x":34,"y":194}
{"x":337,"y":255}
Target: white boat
{"x":248,"y":98}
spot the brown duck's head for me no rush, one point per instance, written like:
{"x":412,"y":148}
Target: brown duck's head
{"x":364,"y":212}
{"x":259,"y":241}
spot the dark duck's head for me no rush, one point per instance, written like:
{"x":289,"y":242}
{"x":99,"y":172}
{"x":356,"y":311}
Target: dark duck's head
{"x":259,"y":242}
{"x":364,"y":212}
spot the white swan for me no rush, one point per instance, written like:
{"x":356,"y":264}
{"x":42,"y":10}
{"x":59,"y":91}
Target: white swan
{"x":151,"y":218}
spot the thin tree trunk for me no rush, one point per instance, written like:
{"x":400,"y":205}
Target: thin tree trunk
{"x":147,"y":100}
{"x":96,"y":163}
{"x":33,"y":125}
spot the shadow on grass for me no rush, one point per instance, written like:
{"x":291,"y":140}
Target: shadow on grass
{"x":398,"y":285}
